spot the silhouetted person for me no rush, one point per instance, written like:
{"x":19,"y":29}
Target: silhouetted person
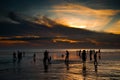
{"x":34,"y":57}
{"x":95,"y":62}
{"x":91,"y":54}
{"x":46,"y":57}
{"x":14,"y":57}
{"x":80,"y":53}
{"x":95,"y":58}
{"x":99,"y":51}
{"x":19,"y":56}
{"x":46,"y":60}
{"x":84,"y":56}
{"x":67,"y":56}
{"x":99,"y":54}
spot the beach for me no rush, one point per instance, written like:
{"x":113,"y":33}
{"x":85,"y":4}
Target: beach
{"x":108,"y":67}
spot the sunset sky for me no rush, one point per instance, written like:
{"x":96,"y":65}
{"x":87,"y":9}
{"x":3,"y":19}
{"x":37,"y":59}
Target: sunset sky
{"x":98,"y":16}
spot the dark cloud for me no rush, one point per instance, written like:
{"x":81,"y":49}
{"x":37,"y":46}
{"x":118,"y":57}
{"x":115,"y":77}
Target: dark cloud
{"x":26,"y":4}
{"x":100,"y":4}
{"x":28,"y":38}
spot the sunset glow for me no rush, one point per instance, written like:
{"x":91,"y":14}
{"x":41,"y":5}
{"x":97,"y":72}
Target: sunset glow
{"x":76,"y":26}
{"x":79,"y":16}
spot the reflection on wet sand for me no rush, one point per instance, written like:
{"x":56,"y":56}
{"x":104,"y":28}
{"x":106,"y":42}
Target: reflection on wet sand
{"x":84,"y":71}
{"x":67,"y":65}
{"x":96,"y":68}
{"x":63,"y":68}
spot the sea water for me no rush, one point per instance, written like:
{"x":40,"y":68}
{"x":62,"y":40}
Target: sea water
{"x":108,"y":67}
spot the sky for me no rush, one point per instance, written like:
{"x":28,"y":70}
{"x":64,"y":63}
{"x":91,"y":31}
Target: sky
{"x":23,"y":23}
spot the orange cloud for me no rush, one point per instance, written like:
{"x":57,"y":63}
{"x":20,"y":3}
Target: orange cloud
{"x":65,"y":40}
{"x":28,"y":36}
{"x":15,"y":39}
{"x":115,"y":28}
{"x":82,"y":10}
{"x":12,"y":42}
{"x":75,"y":15}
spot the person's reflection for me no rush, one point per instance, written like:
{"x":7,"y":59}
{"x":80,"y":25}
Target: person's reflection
{"x":96,"y":68}
{"x":45,"y":67}
{"x":95,"y":62}
{"x":84,"y":71}
{"x":67,"y":65}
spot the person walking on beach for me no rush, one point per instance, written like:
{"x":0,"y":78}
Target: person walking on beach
{"x":84,"y":56}
{"x":67,"y":56}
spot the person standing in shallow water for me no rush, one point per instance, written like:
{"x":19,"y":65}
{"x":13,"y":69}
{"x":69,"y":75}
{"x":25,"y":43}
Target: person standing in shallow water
{"x":46,"y":56}
{"x":91,"y":54}
{"x":99,"y":54}
{"x":95,"y":58}
{"x":34,"y":57}
{"x":19,"y":56}
{"x":95,"y":62}
{"x":84,"y":56}
{"x":67,"y":56}
{"x":46,"y":60}
{"x":14,"y":57}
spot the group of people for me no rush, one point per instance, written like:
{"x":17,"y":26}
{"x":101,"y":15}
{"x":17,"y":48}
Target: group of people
{"x":92,"y":54}
{"x":47,"y":59}
{"x":83,"y":55}
{"x":18,"y":56}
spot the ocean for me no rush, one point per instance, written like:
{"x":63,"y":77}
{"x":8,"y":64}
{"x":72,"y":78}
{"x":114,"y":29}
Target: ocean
{"x":108,"y":67}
